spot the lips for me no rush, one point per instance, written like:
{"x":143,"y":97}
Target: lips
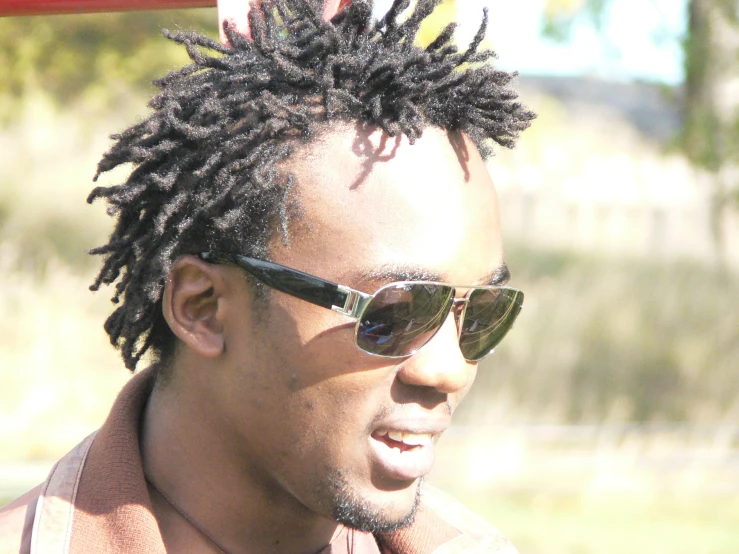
{"x":404,"y":454}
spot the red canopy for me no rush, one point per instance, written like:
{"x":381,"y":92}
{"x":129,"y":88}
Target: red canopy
{"x":41,"y":7}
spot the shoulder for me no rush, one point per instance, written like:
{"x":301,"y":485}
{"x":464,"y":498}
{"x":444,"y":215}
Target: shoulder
{"x":16,"y":521}
{"x":475,"y":534}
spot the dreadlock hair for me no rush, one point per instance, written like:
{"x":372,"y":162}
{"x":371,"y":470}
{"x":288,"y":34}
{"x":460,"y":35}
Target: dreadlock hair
{"x":204,"y":162}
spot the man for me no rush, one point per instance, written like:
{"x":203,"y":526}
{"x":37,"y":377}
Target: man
{"x":297,"y":208}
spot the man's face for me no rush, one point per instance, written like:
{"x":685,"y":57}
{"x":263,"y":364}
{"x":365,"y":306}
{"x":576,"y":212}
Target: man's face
{"x":316,"y":420}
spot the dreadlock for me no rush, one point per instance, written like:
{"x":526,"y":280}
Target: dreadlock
{"x":204,"y":162}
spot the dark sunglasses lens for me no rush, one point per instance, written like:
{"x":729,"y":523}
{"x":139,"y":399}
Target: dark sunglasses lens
{"x":489,"y":316}
{"x":402,"y":317}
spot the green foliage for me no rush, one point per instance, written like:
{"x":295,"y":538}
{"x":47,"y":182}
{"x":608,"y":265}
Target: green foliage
{"x":699,"y":137}
{"x":69,"y":56}
{"x":710,"y":133}
{"x":709,"y":138}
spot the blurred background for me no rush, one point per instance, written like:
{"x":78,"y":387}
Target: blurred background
{"x":608,"y":421}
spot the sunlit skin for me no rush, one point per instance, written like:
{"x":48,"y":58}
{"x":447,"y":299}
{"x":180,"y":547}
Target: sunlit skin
{"x":266,"y":402}
{"x":236,"y":12}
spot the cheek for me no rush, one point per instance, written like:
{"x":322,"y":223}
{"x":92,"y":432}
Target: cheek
{"x":319,"y":424}
{"x":311,"y":344}
{"x":307,"y":363}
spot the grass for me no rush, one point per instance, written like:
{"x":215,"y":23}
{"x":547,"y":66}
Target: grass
{"x":565,"y":490}
{"x":619,"y":524}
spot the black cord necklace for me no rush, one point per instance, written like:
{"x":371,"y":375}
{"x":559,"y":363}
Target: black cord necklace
{"x":187,"y":517}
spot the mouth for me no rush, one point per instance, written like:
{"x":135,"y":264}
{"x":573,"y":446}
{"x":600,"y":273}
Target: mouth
{"x":403,"y":455}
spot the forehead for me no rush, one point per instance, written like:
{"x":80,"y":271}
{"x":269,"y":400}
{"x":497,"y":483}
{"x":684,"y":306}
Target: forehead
{"x":369,"y":201}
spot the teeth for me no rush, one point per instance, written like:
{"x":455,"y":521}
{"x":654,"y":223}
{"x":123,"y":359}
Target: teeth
{"x":417,"y":440}
{"x":411,"y":439}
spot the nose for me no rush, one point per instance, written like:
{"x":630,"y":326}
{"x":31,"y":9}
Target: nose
{"x":440,"y":364}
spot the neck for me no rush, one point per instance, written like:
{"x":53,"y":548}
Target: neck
{"x":193,"y":456}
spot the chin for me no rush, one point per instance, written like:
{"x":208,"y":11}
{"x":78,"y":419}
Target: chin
{"x":376,"y":512}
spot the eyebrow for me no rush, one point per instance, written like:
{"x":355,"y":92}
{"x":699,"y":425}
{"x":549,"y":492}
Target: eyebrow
{"x":499,"y":276}
{"x":392,"y":273}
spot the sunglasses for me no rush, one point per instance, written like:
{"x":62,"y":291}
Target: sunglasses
{"x":399,"y":318}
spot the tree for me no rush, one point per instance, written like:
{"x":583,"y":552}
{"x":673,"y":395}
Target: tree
{"x":710,"y":130}
{"x":710,"y":136}
{"x":68,"y":56}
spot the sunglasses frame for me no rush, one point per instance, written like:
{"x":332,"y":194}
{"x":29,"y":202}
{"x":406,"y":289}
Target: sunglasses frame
{"x":339,"y":298}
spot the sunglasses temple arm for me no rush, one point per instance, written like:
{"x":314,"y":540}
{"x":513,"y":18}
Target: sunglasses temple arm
{"x":293,"y":282}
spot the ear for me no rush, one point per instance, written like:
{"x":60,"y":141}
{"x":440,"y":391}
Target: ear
{"x":191,"y":305}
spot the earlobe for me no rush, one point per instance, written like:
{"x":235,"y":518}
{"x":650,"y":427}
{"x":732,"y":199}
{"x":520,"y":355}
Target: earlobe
{"x":190,"y":306}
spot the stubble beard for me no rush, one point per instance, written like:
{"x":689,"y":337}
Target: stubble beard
{"x":353,"y":511}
